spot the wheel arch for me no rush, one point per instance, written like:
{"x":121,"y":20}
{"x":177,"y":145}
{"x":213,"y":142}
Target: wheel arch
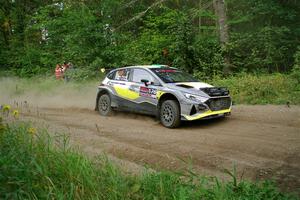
{"x":167,"y":96}
{"x":101,"y":91}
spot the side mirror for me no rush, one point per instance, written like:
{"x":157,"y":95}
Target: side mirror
{"x":145,"y":81}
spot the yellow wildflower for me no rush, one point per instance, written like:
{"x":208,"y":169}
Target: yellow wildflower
{"x":102,"y":70}
{"x":6,"y":108}
{"x":32,"y":131}
{"x":16,"y":113}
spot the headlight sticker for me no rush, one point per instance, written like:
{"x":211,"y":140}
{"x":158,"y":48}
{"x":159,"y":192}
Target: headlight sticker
{"x":195,"y":97}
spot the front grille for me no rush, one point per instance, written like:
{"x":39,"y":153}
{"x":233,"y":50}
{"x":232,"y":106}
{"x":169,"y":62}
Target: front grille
{"x":216,"y":91}
{"x":193,"y":111}
{"x":219,"y":103}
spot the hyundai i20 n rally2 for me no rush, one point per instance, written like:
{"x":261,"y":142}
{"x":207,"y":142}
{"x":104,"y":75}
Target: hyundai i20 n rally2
{"x":166,"y":92}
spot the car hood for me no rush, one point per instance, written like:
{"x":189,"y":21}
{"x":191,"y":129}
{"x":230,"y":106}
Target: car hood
{"x":196,"y":85}
{"x":190,"y":87}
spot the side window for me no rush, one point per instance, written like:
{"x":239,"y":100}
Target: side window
{"x":139,"y":74}
{"x":122,"y":75}
{"x":111,"y":75}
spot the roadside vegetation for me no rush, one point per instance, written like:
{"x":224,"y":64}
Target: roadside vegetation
{"x":261,"y":89}
{"x":37,"y":165}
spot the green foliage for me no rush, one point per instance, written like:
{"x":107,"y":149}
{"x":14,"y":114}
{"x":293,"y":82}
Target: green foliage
{"x":184,"y":50}
{"x":156,"y":36}
{"x":261,"y":89}
{"x":210,"y":58}
{"x":81,"y":74}
{"x":296,"y":69}
{"x":264,"y":34}
{"x":37,"y":35}
{"x":265,"y":50}
{"x":34,"y":165}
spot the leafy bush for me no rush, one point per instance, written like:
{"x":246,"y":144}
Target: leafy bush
{"x":296,"y":69}
{"x":261,"y":89}
{"x":209,"y":56}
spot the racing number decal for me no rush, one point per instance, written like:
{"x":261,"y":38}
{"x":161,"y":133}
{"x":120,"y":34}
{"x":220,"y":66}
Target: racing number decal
{"x":148,"y":92}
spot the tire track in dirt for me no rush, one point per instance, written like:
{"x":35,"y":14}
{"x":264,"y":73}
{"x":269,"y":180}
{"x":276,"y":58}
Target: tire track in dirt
{"x":262,"y":141}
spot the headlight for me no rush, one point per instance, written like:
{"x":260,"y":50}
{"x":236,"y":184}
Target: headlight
{"x":195,"y":97}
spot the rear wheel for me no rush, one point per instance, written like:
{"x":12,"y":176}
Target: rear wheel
{"x":170,"y":114}
{"x":104,"y":105}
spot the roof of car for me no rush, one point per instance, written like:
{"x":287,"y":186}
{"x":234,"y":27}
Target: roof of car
{"x":140,"y":66}
{"x":149,"y":66}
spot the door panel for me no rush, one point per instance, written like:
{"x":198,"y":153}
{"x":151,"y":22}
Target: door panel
{"x":135,"y":96}
{"x":147,"y":101}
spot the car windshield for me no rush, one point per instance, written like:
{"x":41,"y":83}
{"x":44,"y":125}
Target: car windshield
{"x":172,"y":75}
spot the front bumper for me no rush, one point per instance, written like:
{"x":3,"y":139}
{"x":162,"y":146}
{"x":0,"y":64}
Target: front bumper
{"x":212,"y":108}
{"x":206,"y":114}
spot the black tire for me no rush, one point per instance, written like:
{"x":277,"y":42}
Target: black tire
{"x":170,"y":114}
{"x":104,"y":105}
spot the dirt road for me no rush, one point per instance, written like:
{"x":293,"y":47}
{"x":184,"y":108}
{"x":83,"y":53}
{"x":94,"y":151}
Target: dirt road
{"x":261,"y":141}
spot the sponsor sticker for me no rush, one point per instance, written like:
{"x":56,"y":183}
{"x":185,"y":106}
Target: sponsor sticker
{"x":147,"y":92}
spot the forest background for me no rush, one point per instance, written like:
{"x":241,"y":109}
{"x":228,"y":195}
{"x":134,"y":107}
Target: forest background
{"x":256,"y":40}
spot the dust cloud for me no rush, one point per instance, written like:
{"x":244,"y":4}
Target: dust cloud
{"x":48,"y":93}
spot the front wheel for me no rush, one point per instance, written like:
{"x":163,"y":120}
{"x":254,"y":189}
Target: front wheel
{"x":170,"y":114}
{"x":104,"y":105}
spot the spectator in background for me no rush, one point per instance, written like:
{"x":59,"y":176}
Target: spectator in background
{"x":65,"y":68}
{"x":58,"y":72}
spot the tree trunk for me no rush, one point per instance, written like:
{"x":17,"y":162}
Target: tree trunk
{"x":200,"y":5}
{"x":220,"y":10}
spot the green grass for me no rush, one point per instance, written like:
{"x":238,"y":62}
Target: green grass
{"x":34,"y":165}
{"x":261,"y":89}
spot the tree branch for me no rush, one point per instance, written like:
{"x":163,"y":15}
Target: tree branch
{"x":141,"y":14}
